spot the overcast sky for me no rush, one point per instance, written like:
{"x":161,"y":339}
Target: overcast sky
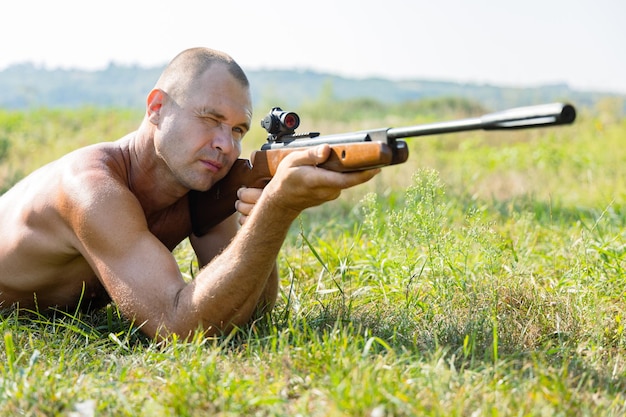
{"x":515,"y":43}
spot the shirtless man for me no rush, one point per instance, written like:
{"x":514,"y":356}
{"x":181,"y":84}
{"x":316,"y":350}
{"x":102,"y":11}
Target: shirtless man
{"x":99,"y":224}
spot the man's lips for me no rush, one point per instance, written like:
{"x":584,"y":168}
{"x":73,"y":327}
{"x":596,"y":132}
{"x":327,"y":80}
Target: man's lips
{"x":211,"y":165}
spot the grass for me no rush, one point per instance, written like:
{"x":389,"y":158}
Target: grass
{"x":483,"y":277}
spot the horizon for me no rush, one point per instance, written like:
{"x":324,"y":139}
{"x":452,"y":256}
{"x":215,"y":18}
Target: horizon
{"x":41,"y":67}
{"x":577,"y":43}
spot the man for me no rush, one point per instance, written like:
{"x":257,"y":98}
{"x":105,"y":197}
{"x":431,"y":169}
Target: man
{"x":100,"y":223}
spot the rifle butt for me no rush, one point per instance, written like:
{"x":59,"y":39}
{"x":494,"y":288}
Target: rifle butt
{"x":209,"y":208}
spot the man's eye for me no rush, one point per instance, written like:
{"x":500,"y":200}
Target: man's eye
{"x":211,"y":121}
{"x":238,"y":133}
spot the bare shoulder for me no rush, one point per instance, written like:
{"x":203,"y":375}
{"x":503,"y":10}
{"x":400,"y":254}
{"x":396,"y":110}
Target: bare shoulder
{"x":94,"y":185}
{"x":81,"y":189}
{"x":79,"y":179}
{"x":58,"y":186}
{"x":101,"y":162}
{"x":43,"y":216}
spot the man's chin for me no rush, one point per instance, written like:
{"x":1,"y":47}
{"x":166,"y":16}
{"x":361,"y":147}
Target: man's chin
{"x":203,"y":188}
{"x":204,"y":182}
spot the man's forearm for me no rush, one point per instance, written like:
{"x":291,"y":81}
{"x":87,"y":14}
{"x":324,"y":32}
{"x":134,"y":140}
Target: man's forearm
{"x":242,"y":278}
{"x":269,"y":296}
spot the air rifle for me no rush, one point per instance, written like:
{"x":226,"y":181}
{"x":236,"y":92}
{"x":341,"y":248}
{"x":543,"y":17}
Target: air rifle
{"x":349,"y":151}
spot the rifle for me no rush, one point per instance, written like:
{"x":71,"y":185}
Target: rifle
{"x":349,"y":151}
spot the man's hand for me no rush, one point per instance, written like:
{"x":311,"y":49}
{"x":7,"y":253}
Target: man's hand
{"x":247,"y":198}
{"x":299,"y":184}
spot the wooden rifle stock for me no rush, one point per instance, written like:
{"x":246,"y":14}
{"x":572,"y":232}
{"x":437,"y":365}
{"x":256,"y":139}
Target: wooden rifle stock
{"x":349,"y":152}
{"x":211,"y":207}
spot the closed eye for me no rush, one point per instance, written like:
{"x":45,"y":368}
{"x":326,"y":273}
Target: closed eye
{"x":211,"y":121}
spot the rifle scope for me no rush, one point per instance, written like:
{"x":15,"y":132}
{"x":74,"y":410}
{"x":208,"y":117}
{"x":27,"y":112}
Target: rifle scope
{"x":280,"y":123}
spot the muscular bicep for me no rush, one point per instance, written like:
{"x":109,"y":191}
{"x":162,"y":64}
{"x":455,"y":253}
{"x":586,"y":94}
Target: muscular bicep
{"x":211,"y":244}
{"x":136,"y":269}
{"x":143,"y":279}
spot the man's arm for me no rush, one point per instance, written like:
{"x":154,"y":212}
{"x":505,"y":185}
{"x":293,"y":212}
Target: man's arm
{"x":211,"y":244}
{"x":217,"y":239}
{"x":247,"y":198}
{"x":143,"y":278}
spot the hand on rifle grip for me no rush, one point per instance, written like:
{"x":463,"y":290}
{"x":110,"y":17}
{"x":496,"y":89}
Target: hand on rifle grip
{"x":246,"y":199}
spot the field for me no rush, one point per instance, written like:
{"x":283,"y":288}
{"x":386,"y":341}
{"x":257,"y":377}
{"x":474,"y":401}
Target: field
{"x":485,"y":276}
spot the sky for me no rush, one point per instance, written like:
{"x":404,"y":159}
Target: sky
{"x":507,"y":43}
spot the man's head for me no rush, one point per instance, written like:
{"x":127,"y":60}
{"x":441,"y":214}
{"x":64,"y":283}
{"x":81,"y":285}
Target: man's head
{"x":179,"y":75}
{"x":200,"y":109}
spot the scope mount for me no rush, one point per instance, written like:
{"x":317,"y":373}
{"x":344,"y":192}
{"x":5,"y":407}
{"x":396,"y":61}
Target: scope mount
{"x":281,"y":126}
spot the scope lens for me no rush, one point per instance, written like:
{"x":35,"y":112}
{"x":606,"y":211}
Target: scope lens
{"x":291,"y":121}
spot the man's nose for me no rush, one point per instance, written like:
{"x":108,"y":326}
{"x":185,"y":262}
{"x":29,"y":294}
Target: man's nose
{"x":223,"y":139}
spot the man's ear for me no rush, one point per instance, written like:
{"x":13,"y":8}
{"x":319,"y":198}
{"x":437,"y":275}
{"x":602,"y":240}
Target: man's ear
{"x":154,"y":102}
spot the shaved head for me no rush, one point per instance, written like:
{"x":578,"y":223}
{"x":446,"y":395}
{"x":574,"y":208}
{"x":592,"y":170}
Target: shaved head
{"x":179,"y":75}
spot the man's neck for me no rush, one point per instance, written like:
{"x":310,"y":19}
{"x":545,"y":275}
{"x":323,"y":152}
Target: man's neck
{"x":149,"y":178}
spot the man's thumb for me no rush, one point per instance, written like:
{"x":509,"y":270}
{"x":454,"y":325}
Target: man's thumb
{"x":319,"y":153}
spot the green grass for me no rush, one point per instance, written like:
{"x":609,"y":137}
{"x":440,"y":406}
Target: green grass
{"x":483,"y":277}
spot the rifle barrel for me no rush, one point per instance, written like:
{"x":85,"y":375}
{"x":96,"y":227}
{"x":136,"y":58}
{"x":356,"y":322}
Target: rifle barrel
{"x":518,"y":118}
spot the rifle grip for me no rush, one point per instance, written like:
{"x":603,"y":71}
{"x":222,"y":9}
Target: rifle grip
{"x":209,"y":208}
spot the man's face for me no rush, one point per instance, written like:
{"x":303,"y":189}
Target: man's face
{"x":199,"y":135}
